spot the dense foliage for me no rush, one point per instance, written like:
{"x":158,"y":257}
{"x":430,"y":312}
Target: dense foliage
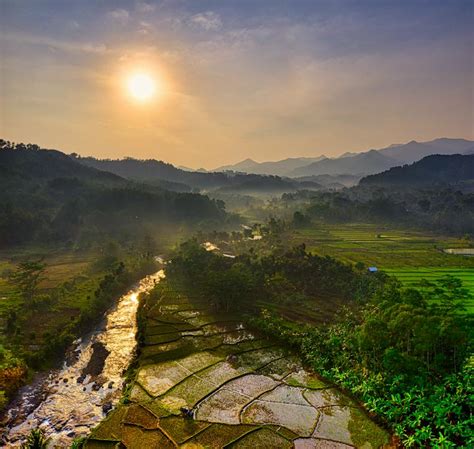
{"x":435,"y":169}
{"x":49,"y":197}
{"x":402,"y":352}
{"x":436,"y":209}
{"x":405,"y":356}
{"x":237,"y":283}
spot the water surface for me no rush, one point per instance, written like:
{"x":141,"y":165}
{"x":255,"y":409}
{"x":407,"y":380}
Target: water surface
{"x":68,"y":402}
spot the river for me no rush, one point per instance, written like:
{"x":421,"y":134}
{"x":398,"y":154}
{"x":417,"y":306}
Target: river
{"x":67,"y":402}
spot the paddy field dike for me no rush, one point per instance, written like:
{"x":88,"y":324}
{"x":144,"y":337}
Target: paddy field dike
{"x":203,"y":380}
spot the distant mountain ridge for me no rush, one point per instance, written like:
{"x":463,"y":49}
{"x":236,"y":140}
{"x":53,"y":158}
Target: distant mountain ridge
{"x":279,"y":168}
{"x":370,"y":162}
{"x":356,"y":164}
{"x":414,"y":151}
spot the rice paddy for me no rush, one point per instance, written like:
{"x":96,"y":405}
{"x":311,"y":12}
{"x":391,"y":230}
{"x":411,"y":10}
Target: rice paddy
{"x":243,"y":392}
{"x":382,"y":246}
{"x":408,"y":255}
{"x":412,"y":277}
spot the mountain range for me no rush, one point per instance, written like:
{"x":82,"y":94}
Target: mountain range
{"x":167,"y":176}
{"x":279,"y":168}
{"x":356,"y":164}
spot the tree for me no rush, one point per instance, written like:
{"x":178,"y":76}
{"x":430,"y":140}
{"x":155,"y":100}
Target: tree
{"x":27,"y":277}
{"x":300,"y":220}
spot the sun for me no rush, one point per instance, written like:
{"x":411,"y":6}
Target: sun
{"x":141,"y":86}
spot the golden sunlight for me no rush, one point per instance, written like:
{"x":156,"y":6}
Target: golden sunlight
{"x":141,"y":86}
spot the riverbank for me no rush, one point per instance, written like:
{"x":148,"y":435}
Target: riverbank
{"x":69,"y":401}
{"x":36,"y":336}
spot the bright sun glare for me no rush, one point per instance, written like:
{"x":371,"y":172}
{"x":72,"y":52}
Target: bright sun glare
{"x":141,"y":86}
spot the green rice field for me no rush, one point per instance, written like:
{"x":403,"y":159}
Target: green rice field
{"x":413,"y":276}
{"x":409,"y":255}
{"x":381,"y":246}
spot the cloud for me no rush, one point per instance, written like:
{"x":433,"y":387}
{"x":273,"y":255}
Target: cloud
{"x":119,"y":15}
{"x":145,"y":7}
{"x":73,"y":24}
{"x":73,"y":47}
{"x":207,"y":20}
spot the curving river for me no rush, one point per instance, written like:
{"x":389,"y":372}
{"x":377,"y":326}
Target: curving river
{"x":66,"y":403}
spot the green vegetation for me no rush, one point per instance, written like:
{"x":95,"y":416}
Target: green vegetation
{"x":384,"y":246}
{"x":45,"y":307}
{"x":401,"y":351}
{"x":399,"y":339}
{"x":35,"y":440}
{"x":203,"y":380}
{"x":417,"y":277}
{"x":435,"y":209}
{"x":50,"y":198}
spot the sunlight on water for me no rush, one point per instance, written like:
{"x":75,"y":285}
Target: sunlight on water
{"x":78,"y":395}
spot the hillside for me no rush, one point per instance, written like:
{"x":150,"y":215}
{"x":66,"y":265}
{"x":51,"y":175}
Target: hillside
{"x":436,"y":169}
{"x":153,"y":171}
{"x":49,"y":196}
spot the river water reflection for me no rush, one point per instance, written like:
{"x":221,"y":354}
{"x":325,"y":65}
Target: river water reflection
{"x":70,"y":401}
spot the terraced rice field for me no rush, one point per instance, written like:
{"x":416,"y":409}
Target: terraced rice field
{"x":204,"y":381}
{"x":413,"y":276}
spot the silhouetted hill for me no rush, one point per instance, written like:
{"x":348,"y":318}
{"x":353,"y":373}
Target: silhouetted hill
{"x":49,"y":196}
{"x":153,"y":171}
{"x":34,"y":163}
{"x":436,"y":169}
{"x":356,"y":164}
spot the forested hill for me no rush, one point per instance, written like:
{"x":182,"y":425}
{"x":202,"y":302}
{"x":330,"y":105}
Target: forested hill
{"x":158,"y":172}
{"x":431,"y":170}
{"x":49,"y":196}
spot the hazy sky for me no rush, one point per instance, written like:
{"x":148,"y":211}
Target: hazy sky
{"x":265,"y":79}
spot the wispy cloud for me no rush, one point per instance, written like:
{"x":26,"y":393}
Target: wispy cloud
{"x":207,"y":20}
{"x":119,"y":15}
{"x":73,"y":47}
{"x":145,"y":7}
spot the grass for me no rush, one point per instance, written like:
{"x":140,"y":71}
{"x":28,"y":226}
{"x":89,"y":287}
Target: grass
{"x":61,"y":267}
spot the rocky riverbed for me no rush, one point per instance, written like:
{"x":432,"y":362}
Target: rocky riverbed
{"x":69,"y":402}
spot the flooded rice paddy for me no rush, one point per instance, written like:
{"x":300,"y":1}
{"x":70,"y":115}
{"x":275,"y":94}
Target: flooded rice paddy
{"x":204,"y":381}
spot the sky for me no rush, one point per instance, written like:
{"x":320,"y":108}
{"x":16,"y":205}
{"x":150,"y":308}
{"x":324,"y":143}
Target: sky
{"x":235,"y":79}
